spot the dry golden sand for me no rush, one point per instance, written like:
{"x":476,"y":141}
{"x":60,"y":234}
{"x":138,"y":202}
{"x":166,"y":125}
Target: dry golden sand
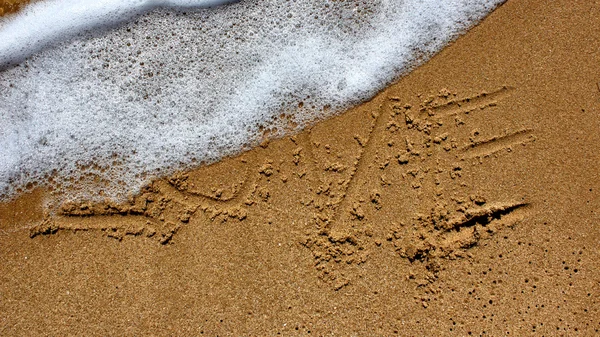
{"x":463,"y":200}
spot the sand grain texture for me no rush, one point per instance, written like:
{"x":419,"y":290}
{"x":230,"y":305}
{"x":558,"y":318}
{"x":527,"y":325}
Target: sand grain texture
{"x":11,"y":6}
{"x":462,"y":200}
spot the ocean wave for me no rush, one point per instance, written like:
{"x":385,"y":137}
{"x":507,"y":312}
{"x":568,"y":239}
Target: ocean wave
{"x":132,"y":89}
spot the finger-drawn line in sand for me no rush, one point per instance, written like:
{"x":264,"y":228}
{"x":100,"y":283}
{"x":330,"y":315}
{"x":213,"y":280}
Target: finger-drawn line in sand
{"x":183,"y":184}
{"x":498,"y":143}
{"x":468,"y":104}
{"x":482,"y":214}
{"x":360,"y":166}
{"x":452,"y":238}
{"x":337,"y":240}
{"x":134,"y":225}
{"x":462,"y":230}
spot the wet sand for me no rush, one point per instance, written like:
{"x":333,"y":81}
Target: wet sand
{"x":462,"y":200}
{"x":11,"y":6}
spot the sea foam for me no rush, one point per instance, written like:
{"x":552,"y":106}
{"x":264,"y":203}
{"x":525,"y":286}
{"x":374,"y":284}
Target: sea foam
{"x":102,"y":96}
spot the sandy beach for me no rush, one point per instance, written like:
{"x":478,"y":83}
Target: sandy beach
{"x":461,"y":200}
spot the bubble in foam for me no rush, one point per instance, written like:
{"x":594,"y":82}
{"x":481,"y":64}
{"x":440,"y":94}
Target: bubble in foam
{"x":105,"y":112}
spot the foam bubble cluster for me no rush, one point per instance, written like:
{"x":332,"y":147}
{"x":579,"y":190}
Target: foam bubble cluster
{"x":51,"y":21}
{"x":101,"y":112}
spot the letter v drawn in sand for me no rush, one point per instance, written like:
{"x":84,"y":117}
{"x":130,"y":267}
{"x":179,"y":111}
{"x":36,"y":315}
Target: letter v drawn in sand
{"x":338,"y":239}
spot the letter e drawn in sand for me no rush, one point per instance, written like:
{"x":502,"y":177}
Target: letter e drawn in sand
{"x":449,"y":215}
{"x":453,"y":216}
